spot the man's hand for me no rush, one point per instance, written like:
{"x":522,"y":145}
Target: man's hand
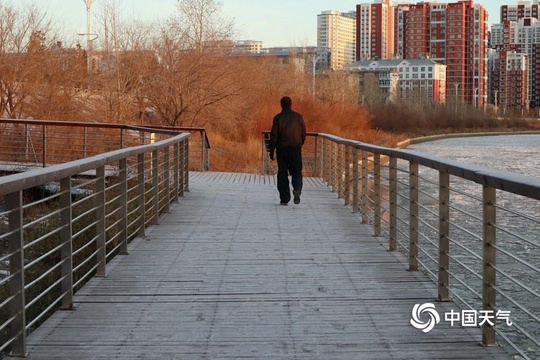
{"x":272,"y":155}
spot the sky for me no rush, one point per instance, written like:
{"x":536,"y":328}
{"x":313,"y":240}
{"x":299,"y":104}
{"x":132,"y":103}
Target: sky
{"x":274,"y":22}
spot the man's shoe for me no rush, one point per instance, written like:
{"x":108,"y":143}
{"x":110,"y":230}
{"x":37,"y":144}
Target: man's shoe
{"x":283,"y":204}
{"x":296,"y":194}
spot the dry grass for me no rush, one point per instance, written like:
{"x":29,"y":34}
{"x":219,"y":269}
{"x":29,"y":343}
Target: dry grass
{"x":240,"y":150}
{"x":230,"y":155}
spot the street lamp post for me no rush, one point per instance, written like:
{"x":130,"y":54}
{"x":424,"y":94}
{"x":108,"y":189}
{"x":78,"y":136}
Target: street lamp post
{"x":475,"y":100}
{"x":315,"y":59}
{"x":89,"y":56}
{"x":89,"y":41}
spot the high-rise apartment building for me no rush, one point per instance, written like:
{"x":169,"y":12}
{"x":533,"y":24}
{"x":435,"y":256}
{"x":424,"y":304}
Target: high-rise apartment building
{"x":504,"y":36}
{"x":455,"y":34}
{"x":466,"y":49}
{"x":400,"y":26}
{"x":337,"y":32}
{"x":425,"y":30}
{"x":510,"y":74}
{"x":522,"y":37}
{"x":374,"y":30}
{"x":523,"y":9}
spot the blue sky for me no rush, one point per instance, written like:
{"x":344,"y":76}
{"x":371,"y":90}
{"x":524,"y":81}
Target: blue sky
{"x":275,"y":22}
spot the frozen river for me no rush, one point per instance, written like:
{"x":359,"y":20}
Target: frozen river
{"x":517,"y":154}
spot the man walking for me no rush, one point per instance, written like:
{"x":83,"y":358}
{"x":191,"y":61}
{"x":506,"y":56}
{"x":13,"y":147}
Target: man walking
{"x":286,"y":139}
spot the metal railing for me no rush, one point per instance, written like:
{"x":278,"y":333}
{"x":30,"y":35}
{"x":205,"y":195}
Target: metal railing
{"x":310,"y":152}
{"x":61,"y":224}
{"x":28,"y":144}
{"x":474,"y":231}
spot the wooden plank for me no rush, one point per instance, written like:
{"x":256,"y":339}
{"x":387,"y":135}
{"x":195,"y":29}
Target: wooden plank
{"x":231,"y":274}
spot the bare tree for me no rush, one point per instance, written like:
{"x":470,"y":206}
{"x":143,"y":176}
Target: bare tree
{"x":201,"y":23}
{"x":193,"y":75}
{"x":58,"y":83}
{"x":371,"y":91}
{"x":38,"y":77}
{"x":22,"y":41}
{"x":128,"y":60}
{"x":343,"y":87}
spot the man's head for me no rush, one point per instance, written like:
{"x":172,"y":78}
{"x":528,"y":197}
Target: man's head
{"x":286,"y":102}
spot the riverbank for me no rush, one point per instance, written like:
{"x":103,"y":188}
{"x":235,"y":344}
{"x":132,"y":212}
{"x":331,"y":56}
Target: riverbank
{"x":417,"y":140}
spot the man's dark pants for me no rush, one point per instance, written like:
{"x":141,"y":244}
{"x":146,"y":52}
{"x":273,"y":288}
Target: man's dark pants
{"x":289,"y":162}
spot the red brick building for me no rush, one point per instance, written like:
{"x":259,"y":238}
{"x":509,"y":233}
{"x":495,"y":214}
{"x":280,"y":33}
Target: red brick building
{"x":374,"y":30}
{"x":519,"y":11}
{"x":455,"y":34}
{"x":521,"y":36}
{"x":510,"y":80}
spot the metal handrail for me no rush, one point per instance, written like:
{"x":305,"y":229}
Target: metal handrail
{"x":309,"y":154}
{"x":47,"y":142}
{"x":52,"y":253}
{"x":371,"y":178}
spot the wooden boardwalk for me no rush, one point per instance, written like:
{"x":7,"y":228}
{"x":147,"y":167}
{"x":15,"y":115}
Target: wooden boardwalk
{"x":230,"y":274}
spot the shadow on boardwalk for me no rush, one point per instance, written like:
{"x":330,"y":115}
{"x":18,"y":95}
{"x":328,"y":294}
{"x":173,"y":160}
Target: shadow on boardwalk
{"x":231,"y":274}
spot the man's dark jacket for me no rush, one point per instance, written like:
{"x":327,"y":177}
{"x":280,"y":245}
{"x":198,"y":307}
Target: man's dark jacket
{"x":288,"y":130}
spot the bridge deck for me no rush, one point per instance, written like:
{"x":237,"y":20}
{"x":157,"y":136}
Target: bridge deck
{"x":230,"y":274}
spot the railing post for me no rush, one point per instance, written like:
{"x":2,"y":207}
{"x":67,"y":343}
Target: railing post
{"x":336,"y":169}
{"x":393,"y":204}
{"x":340,"y":170}
{"x":16,"y":269}
{"x":203,"y":154}
{"x":44,"y":148}
{"x":155,"y":186}
{"x":141,"y":187}
{"x":264,"y":155}
{"x":444,"y":234}
{"x":413,"y":216}
{"x":182,"y":164}
{"x":329,"y":157}
{"x":122,"y":206}
{"x":327,"y":161}
{"x":316,"y":157}
{"x":186,"y":165}
{"x":332,"y":165}
{"x":365,"y":178}
{"x":142,"y":136}
{"x":176,"y":159}
{"x":321,"y":158}
{"x":85,"y":136}
{"x":355,"y":180}
{"x":99,"y":204}
{"x":489,"y":259}
{"x":347,"y":189}
{"x":167,"y":174}
{"x":377,"y":206}
{"x":66,"y":253}
{"x":26,"y":144}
